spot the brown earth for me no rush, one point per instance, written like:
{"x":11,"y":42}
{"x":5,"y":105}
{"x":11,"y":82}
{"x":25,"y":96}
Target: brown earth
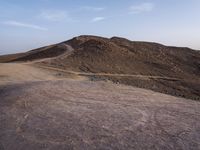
{"x":46,"y":109}
{"x":126,"y":60}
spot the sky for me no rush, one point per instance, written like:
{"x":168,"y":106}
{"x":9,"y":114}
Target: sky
{"x":29,"y":24}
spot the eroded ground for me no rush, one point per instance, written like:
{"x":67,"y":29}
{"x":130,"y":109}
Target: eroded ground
{"x":42,"y":109}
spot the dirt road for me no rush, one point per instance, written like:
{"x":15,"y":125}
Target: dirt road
{"x":40,"y":109}
{"x":107,"y":74}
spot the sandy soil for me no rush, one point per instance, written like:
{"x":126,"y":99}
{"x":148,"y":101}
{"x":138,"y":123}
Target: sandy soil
{"x":25,"y":72}
{"x":42,"y":109}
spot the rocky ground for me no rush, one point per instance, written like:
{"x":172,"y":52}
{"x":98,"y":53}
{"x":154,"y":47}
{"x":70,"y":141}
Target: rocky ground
{"x":48,"y":109}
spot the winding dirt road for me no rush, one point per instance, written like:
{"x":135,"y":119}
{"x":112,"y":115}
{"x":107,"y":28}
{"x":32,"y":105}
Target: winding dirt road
{"x":45,"y":109}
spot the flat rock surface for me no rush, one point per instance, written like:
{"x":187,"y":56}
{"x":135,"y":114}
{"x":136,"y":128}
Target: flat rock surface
{"x":80,"y":114}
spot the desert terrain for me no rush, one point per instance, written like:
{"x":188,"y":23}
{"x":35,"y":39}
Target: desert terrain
{"x":166,"y":69}
{"x":98,"y":93}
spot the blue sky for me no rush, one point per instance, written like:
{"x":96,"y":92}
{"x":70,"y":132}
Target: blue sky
{"x":28,"y":24}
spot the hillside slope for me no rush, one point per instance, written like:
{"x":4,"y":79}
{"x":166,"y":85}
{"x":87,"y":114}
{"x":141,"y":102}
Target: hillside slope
{"x":120,"y":56}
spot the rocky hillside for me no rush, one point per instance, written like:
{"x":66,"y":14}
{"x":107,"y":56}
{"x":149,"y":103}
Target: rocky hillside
{"x":178,"y":67}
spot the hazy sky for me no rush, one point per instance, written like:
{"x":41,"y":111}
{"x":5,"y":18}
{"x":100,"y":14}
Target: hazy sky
{"x":28,"y":24}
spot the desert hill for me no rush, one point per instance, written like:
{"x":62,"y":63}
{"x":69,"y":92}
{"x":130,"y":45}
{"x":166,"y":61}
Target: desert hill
{"x":170,"y":70}
{"x":69,"y":96}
